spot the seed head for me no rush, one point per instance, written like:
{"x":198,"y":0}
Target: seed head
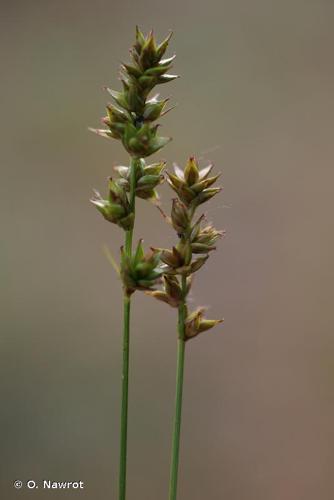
{"x":130,"y":117}
{"x":148,"y":177}
{"x":179,"y":217}
{"x":116,"y":208}
{"x":192,"y":185}
{"x":171,"y":293}
{"x":140,"y":271}
{"x":203,"y":239}
{"x":196,"y":323}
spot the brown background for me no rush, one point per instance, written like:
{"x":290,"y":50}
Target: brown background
{"x":255,"y":97}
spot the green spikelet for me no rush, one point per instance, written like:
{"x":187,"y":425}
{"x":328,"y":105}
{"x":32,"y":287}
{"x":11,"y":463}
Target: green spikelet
{"x":140,"y":271}
{"x":192,"y":185}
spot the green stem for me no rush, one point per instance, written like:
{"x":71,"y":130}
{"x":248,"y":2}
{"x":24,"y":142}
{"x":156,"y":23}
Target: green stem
{"x":126,"y":346}
{"x":178,"y":398}
{"x":132,"y":201}
{"x":125,"y":392}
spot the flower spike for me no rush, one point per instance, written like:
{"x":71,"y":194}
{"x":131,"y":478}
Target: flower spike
{"x":130,"y":118}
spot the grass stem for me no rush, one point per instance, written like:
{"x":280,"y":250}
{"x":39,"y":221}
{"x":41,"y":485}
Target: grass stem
{"x":179,"y":393}
{"x":126,"y":347}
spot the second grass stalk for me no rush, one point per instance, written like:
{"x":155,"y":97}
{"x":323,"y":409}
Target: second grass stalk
{"x":192,"y":186}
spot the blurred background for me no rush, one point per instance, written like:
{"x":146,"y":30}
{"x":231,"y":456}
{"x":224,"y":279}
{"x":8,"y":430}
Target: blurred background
{"x":256,"y":98}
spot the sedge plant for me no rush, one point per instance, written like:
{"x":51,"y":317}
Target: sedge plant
{"x":196,"y":239}
{"x":131,"y":118}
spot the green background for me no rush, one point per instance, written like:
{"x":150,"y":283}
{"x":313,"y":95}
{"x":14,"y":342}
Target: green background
{"x":256,"y":98}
